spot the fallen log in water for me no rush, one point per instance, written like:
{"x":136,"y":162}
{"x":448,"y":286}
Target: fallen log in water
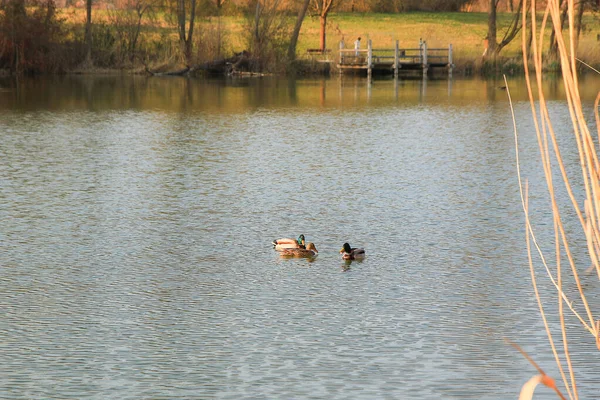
{"x":179,"y":72}
{"x":239,"y":64}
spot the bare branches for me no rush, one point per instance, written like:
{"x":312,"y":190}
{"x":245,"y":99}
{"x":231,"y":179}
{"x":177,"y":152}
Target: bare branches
{"x":128,"y":24}
{"x":322,"y":8}
{"x":296,"y":31}
{"x":513,"y":29}
{"x":185,"y":26}
{"x":269,"y":31}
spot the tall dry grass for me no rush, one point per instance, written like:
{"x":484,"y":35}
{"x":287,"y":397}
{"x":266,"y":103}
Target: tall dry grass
{"x":586,"y":207}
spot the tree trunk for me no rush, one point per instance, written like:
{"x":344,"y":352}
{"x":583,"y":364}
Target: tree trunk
{"x":296,"y":32}
{"x":323,"y":21}
{"x":181,"y":20}
{"x":136,"y":35}
{"x":578,"y":22}
{"x":256,"y":21}
{"x":88,"y":29}
{"x":529,"y":39}
{"x":185,"y":39}
{"x":491,"y":36}
{"x":553,"y":51}
{"x":189,"y":42}
{"x":322,"y":7}
{"x":513,"y":30}
{"x":15,"y":15}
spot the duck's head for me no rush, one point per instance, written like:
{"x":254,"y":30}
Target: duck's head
{"x":311,"y":246}
{"x":301,"y":240}
{"x":346,"y":248}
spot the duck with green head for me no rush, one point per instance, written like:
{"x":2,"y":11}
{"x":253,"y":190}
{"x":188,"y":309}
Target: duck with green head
{"x":352,"y":253}
{"x":309,"y":252}
{"x":286,"y":243}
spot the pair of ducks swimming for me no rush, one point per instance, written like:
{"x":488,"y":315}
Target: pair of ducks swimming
{"x":299,"y":248}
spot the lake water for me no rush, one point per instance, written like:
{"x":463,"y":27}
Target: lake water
{"x":137,"y":216}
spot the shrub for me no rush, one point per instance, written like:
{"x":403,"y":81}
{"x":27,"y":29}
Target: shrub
{"x":30,"y":37}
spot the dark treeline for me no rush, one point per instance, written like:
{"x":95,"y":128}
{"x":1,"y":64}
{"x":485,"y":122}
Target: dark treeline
{"x":55,"y":36}
{"x":36,"y":37}
{"x":33,"y":38}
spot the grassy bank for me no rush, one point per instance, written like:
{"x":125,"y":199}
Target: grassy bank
{"x":465,"y":31}
{"x":221,"y":37}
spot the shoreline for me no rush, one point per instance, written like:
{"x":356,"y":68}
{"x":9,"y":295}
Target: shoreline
{"x":509,"y":66}
{"x":222,"y":38}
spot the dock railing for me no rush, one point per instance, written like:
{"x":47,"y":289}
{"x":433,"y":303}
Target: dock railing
{"x":397,"y":58}
{"x":319,"y":55}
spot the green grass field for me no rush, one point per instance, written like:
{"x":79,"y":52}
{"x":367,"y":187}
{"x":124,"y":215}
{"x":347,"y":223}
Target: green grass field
{"x":465,"y":31}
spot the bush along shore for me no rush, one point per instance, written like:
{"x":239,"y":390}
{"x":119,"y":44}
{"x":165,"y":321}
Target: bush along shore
{"x":142,"y":37}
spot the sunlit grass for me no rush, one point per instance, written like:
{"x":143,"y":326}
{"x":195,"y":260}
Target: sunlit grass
{"x":465,"y":31}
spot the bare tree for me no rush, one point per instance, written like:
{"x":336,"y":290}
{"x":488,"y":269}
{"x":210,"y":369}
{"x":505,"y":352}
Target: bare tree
{"x":553,"y":50}
{"x":13,"y":17}
{"x":296,"y":31}
{"x":186,"y":35}
{"x":88,"y":30}
{"x":579,"y":9}
{"x":491,"y":35}
{"x":219,"y":31}
{"x":494,"y":47}
{"x":322,"y":8}
{"x":578,"y":20}
{"x":128,"y":23}
{"x":269,"y":33}
{"x":30,"y":36}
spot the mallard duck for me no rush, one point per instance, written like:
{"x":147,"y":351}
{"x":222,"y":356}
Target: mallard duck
{"x":285,"y":243}
{"x":349,"y":253}
{"x":309,"y":251}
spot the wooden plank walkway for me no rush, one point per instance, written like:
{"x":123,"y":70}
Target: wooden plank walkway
{"x":394,"y":60}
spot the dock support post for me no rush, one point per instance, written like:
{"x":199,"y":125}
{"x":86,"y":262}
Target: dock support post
{"x":369,"y":57}
{"x":341,"y":55}
{"x":424,"y":59}
{"x":450,"y":61}
{"x":396,"y":59}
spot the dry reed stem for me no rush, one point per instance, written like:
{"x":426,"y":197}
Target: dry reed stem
{"x":530,"y":234}
{"x":539,"y":301}
{"x":527,"y":357}
{"x":589,"y":66}
{"x":529,"y":387}
{"x":540,"y":253}
{"x":590,"y":231}
{"x":590,"y":169}
{"x":597,"y":114}
{"x":598,"y":334}
{"x":543,"y":144}
{"x":588,"y":156}
{"x":530,"y":229}
{"x":588,"y":159}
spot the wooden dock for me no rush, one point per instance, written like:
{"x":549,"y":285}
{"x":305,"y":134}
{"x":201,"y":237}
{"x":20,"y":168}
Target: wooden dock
{"x":394,"y":60}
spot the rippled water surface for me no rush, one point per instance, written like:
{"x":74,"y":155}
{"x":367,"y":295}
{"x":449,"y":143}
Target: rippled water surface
{"x":137,"y":216}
